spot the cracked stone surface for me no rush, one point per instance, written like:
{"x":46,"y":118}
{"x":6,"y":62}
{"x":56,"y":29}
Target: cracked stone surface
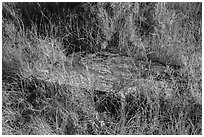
{"x":112,"y":73}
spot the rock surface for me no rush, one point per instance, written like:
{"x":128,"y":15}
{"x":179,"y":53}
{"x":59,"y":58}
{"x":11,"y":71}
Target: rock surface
{"x":111,"y":73}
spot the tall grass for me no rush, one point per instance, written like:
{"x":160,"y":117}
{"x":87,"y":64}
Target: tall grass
{"x":54,"y":80}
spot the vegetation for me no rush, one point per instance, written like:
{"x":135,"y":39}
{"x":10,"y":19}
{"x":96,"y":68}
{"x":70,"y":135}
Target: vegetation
{"x":101,"y":68}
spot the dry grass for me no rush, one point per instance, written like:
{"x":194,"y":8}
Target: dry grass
{"x":136,"y":72}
